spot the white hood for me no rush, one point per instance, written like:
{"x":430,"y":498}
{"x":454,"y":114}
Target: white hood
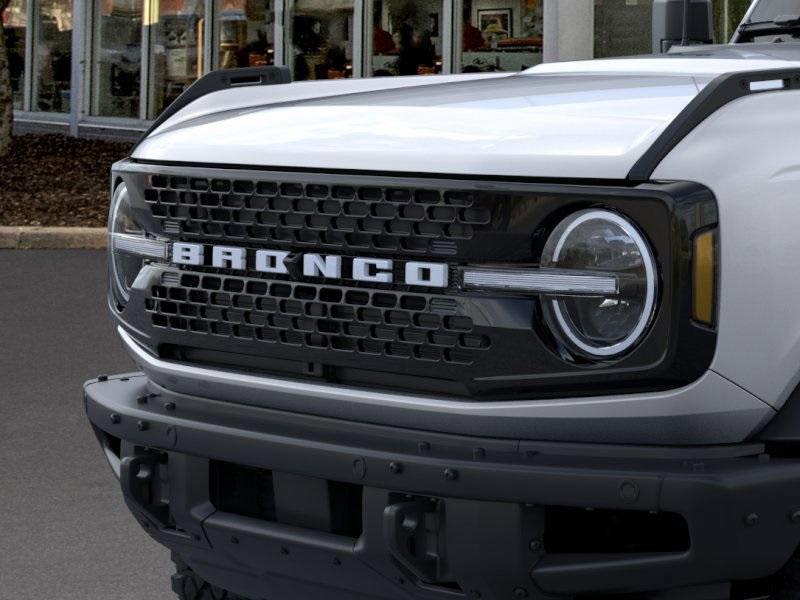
{"x":573,"y":120}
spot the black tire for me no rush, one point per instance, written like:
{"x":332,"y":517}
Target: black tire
{"x":188,"y":585}
{"x":789,"y":581}
{"x":784,"y":585}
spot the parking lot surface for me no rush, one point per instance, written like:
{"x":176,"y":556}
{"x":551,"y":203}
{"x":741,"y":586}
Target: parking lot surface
{"x":65,"y":533}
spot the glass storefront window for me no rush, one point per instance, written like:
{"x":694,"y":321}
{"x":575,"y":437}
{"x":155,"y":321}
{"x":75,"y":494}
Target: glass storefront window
{"x":117,"y":68}
{"x":320,"y":39}
{"x":176,"y":52}
{"x":501,"y":35}
{"x":622,"y":27}
{"x":52,"y":56}
{"x":244,"y":33}
{"x":406,"y":37}
{"x":166,"y":42}
{"x":15,"y":23}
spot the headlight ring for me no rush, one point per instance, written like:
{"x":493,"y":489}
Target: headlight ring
{"x":601,"y":327}
{"x":130,"y":246}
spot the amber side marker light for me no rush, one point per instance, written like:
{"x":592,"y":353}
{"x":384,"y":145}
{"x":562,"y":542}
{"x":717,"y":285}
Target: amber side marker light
{"x":704,"y":277}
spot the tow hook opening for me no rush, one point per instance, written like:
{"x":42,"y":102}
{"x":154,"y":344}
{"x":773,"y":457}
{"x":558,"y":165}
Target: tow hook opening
{"x":600,"y":531}
{"x":143,"y":476}
{"x":112,"y":448}
{"x":414,"y":532}
{"x":278,"y":497}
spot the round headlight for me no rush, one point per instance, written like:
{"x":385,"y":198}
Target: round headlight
{"x":601,"y":326}
{"x":130,"y":246}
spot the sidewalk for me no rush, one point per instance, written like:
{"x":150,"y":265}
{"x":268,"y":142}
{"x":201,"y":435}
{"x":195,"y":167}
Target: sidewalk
{"x":53,"y":238}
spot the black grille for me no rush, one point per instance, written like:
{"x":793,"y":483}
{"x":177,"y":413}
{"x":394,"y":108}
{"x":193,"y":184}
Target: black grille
{"x":444,"y":341}
{"x":364,"y":321}
{"x":342,"y":217}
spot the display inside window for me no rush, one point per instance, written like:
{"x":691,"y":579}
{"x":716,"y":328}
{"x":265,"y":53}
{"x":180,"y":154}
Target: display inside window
{"x":321,"y":39}
{"x":501,"y":35}
{"x":245,"y":33}
{"x":15,"y":22}
{"x":52,"y":56}
{"x":117,"y":65}
{"x":406,"y":37}
{"x":176,"y":54}
{"x":622,"y":27}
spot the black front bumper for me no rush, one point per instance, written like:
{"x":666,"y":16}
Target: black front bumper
{"x":435,"y":516}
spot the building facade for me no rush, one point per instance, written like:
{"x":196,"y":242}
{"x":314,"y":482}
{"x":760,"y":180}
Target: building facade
{"x":110,"y":66}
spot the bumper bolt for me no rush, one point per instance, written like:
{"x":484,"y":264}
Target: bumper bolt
{"x":337,"y":562}
{"x":142,"y":399}
{"x":535,"y":546}
{"x":360,"y":468}
{"x":234,"y":540}
{"x":520,"y":593}
{"x":284,"y":551}
{"x":751,"y":520}
{"x":424,"y":447}
{"x":629,"y":492}
{"x":395,"y":467}
{"x":170,"y":406}
{"x":478,"y":453}
{"x":114,"y":418}
{"x":142,"y":425}
{"x":450,"y":474}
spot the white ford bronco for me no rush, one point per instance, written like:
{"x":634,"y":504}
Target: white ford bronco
{"x":487,"y":336}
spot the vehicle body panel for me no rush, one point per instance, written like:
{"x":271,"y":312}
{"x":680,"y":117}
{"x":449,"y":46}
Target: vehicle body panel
{"x":494,"y":493}
{"x":747,"y":153}
{"x":686,"y":452}
{"x":589,"y":122}
{"x":549,"y":126}
{"x":713,"y":410}
{"x":585,"y":120}
{"x":238,"y":98}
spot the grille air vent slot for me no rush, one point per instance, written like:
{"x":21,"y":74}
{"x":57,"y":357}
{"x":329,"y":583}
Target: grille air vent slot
{"x":405,"y":326}
{"x":413,"y":221}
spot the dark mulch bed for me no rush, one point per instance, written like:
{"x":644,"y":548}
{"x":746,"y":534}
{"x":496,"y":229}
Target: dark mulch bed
{"x":55,"y":180}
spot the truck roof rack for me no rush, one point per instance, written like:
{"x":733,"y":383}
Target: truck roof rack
{"x":216,"y":81}
{"x":719,"y":92}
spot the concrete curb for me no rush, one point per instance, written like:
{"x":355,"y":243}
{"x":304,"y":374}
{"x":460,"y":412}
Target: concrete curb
{"x":53,"y":238}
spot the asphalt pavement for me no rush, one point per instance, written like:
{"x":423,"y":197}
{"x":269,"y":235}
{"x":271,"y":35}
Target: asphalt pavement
{"x":65,"y":533}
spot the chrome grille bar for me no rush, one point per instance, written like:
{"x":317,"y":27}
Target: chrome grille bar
{"x":541,"y":281}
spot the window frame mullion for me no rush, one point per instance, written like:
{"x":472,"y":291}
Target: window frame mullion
{"x":360,"y":14}
{"x":27,"y":89}
{"x":81,"y":13}
{"x":209,"y":46}
{"x":278,"y":48}
{"x":368,"y":47}
{"x":144,"y":75}
{"x":447,"y":33}
{"x":458,"y":36}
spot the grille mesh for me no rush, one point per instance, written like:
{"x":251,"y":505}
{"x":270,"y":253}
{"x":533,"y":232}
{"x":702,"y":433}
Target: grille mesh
{"x":369,"y":322}
{"x":339,"y":217}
